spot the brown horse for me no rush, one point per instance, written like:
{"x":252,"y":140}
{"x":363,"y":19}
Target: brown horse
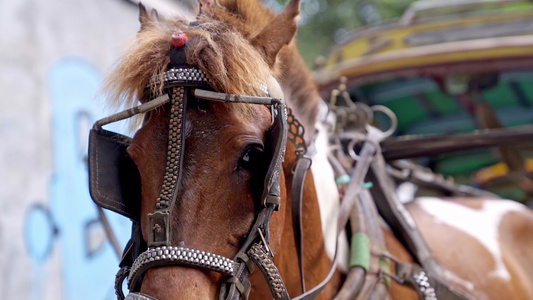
{"x":238,"y":45}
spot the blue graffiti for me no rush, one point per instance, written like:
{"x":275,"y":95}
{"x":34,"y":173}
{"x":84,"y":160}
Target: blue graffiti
{"x":89,"y":262}
{"x":40,"y":232}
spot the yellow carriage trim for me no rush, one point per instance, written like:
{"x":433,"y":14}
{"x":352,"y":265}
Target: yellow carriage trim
{"x":413,"y":43}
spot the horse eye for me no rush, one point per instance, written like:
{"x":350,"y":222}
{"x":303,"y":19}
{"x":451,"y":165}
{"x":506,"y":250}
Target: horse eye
{"x":251,"y":159}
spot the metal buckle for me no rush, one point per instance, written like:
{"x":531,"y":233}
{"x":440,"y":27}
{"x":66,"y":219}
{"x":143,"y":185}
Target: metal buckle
{"x":274,"y":200}
{"x":273,"y":112}
{"x":246,"y":259}
{"x":159,"y":223}
{"x":265,"y":244}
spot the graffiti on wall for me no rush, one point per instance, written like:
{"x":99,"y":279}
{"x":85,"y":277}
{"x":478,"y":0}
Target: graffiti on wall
{"x":71,"y":223}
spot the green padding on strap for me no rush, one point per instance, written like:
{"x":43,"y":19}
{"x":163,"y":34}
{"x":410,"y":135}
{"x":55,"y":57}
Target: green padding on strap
{"x":343,"y":179}
{"x":384,"y":264}
{"x":367,"y":185}
{"x":360,"y":251}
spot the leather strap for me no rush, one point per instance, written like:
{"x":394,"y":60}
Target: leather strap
{"x":298,"y":180}
{"x":119,"y":280}
{"x":178,"y":256}
{"x":353,"y":190}
{"x":160,"y":220}
{"x":237,"y":285}
{"x":269,"y":270}
{"x":229,"y":289}
{"x":315,"y":291}
{"x":400,"y":220}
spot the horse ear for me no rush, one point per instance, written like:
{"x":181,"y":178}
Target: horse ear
{"x":146,"y":19}
{"x":190,"y":7}
{"x":278,"y":33}
{"x":154,"y":14}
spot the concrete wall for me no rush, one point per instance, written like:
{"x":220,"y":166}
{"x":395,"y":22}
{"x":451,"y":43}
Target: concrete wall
{"x":53,"y":56}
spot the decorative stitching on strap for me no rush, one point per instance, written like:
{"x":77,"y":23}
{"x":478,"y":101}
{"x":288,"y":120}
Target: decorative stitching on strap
{"x":173,"y":150}
{"x":181,"y":75}
{"x":168,"y":255}
{"x":263,"y":261}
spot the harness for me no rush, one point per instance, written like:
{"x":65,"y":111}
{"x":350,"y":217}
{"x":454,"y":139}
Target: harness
{"x":365,"y":203}
{"x":115,"y":185}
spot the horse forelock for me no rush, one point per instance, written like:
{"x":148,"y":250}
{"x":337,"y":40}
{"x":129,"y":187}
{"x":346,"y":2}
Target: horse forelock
{"x":217,"y":45}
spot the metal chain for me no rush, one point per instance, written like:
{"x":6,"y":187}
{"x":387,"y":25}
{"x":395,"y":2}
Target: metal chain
{"x":296,"y":133}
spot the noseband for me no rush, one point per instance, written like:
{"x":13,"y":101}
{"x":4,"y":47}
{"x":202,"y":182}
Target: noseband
{"x":107,"y":157}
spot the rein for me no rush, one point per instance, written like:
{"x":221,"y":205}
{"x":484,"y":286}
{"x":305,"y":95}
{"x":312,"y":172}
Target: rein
{"x":363,"y":204}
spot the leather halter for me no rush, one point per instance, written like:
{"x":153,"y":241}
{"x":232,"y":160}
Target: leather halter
{"x":178,"y":83}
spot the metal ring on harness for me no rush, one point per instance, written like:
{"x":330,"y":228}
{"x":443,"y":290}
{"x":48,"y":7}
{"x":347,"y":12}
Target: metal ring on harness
{"x":392,"y":116}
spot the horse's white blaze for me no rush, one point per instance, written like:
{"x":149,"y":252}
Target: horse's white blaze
{"x":328,"y":198}
{"x":482,"y":224}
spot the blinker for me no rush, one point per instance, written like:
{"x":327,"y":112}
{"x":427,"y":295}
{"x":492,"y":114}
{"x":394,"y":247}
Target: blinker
{"x":114,"y":180}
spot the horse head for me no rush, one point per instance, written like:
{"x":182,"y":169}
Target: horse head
{"x":210,"y":171}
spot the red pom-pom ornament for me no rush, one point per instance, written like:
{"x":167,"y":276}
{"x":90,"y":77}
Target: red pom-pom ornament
{"x":179,"y":38}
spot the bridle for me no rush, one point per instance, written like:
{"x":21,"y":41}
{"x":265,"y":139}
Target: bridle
{"x":107,"y":158}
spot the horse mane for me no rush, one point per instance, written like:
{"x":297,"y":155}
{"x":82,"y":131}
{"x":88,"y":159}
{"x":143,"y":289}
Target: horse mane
{"x":216,"y":45}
